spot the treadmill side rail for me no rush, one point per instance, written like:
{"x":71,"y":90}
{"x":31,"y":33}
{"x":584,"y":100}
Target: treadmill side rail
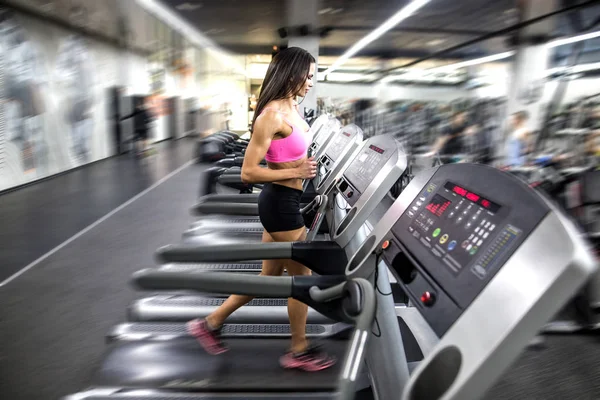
{"x":216,"y":282}
{"x":229,"y":252}
{"x":322,"y":257}
{"x":225,"y":208}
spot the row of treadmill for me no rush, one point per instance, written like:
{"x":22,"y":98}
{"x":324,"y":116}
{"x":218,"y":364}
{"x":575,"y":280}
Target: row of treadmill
{"x":484,"y":260}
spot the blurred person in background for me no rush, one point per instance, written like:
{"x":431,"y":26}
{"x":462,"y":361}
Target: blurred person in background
{"x":592,"y":142}
{"x":451,"y":140}
{"x":25,"y":106}
{"x":519,"y":142}
{"x":281,"y":137}
{"x":142,"y":120}
{"x":74,"y":73}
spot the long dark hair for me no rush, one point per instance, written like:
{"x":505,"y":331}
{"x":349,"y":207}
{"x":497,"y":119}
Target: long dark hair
{"x":286,"y":74}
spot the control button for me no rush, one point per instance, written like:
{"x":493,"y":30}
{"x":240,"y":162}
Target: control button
{"x":444,"y":238}
{"x":476,"y":229}
{"x":465,"y":212}
{"x":483,"y":222}
{"x":469,"y":247}
{"x":451,"y":214}
{"x":474,"y":217}
{"x":459,"y":220}
{"x":464,"y":244}
{"x":487,"y":225}
{"x":428,"y":298}
{"x":411,"y":229}
{"x":485,"y":235}
{"x":474,"y":240}
{"x":350,"y":194}
{"x":492,"y":227}
{"x":473,"y":250}
{"x":479,"y":269}
{"x":436,"y":253}
{"x":437,"y":232}
{"x":451,"y":245}
{"x":468,"y":225}
{"x":419,"y":203}
{"x":479,"y":243}
{"x":411,"y":214}
{"x":422,"y":198}
{"x":385,"y":244}
{"x":415,"y":208}
{"x":471,"y":236}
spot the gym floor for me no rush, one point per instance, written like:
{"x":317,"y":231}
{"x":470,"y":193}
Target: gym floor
{"x":53,"y":317}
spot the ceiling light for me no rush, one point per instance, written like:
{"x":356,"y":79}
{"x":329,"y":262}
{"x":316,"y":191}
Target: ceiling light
{"x":401,"y":15}
{"x":337,"y":11}
{"x":573,"y":39}
{"x":435,"y":42}
{"x":188,"y":7}
{"x":325,"y":11}
{"x":476,"y":61}
{"x":178,"y":24}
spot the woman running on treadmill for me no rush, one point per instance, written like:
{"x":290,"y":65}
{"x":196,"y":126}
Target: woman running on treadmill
{"x":281,"y":137}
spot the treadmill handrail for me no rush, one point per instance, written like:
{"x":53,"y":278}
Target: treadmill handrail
{"x":233,"y":198}
{"x":225,"y":208}
{"x":213,"y":282}
{"x":355,"y":353}
{"x":230,"y":252}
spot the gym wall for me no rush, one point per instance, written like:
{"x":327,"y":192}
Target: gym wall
{"x":53,"y":92}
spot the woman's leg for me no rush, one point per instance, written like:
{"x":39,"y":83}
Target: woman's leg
{"x":297,"y":311}
{"x":233,"y":302}
{"x":206,"y":331}
{"x":301,"y":355}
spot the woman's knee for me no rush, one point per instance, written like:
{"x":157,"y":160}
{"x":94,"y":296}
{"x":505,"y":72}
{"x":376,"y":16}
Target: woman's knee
{"x":296,"y":269}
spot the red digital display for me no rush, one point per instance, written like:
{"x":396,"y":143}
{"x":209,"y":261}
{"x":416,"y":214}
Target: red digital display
{"x":377,"y":149}
{"x":438,"y":205}
{"x":472,"y":197}
{"x":460,"y":191}
{"x":475,"y":198}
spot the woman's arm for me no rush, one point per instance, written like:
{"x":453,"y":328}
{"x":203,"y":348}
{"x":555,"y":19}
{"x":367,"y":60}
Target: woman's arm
{"x":265,"y":127}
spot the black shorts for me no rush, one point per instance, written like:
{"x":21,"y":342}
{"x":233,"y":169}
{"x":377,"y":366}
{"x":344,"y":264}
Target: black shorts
{"x":279,"y":208}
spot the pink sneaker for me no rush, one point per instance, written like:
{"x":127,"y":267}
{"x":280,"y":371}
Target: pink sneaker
{"x":208,"y":338}
{"x":311,"y":360}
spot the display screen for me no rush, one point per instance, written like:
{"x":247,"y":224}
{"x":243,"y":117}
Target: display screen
{"x":438,"y":205}
{"x":377,"y":149}
{"x":475,"y":198}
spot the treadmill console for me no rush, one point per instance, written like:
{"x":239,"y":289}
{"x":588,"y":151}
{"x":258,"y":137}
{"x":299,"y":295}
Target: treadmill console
{"x":456,"y":234}
{"x":321,"y":134}
{"x":364,"y":168}
{"x":338,"y":143}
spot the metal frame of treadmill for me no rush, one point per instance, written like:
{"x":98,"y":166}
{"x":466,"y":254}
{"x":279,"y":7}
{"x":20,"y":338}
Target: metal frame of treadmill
{"x":487,"y":352}
{"x":364,"y":207}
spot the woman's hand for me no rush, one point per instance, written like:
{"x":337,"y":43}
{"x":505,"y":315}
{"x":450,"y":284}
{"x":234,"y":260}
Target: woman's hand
{"x":308,"y":169}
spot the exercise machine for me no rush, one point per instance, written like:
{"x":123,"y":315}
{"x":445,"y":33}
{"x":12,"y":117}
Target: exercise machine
{"x":423,"y":238}
{"x":362,"y":187}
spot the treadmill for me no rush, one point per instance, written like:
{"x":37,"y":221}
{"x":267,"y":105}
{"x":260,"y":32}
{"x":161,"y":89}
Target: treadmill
{"x":454,"y":291}
{"x":342,"y":148}
{"x":361,"y":168}
{"x":363,"y":186}
{"x":233,"y":208}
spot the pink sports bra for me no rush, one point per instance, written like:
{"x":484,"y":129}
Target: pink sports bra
{"x":290,"y":148}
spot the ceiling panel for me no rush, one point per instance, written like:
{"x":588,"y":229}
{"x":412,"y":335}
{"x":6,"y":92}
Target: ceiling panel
{"x":245,"y":26}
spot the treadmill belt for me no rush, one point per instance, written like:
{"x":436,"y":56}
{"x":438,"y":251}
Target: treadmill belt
{"x":228,"y":329}
{"x":215,"y":302}
{"x":180,"y":364}
{"x":232,"y":266}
